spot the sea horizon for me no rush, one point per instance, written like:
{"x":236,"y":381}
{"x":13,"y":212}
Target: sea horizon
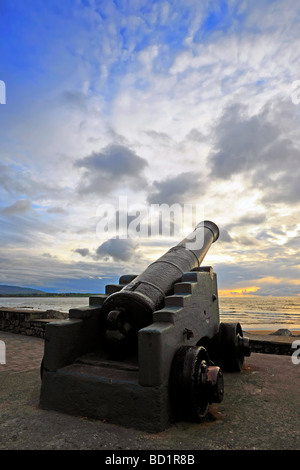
{"x":253,"y":312}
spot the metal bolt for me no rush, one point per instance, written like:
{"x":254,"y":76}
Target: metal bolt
{"x":188,"y":333}
{"x":215,"y":383}
{"x":114,"y":319}
{"x":244,"y":345}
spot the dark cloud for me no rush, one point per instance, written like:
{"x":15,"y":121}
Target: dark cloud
{"x":118,"y":249}
{"x":115,"y":165}
{"x":265,"y":235}
{"x":160,"y":137}
{"x":261,"y":147}
{"x":280,"y":232}
{"x":285,"y":189}
{"x":241,"y":141}
{"x":82,"y":251}
{"x":56,"y":210}
{"x":74,"y":99}
{"x":48,"y":255}
{"x":175,"y":190}
{"x":225,"y":237}
{"x":247,"y":241}
{"x":245,"y":220}
{"x":195,"y":136}
{"x":19,"y":207}
{"x":114,"y":159}
{"x":293,"y":243}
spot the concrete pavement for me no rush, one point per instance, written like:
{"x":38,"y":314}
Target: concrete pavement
{"x":260,"y":410}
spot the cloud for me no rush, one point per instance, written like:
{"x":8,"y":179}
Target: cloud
{"x":237,"y":240}
{"x":240,"y":142}
{"x":114,"y":167}
{"x":21,"y":179}
{"x":247,"y":241}
{"x":19,"y":207}
{"x":16,"y":180}
{"x":260,"y":147}
{"x":175,"y":189}
{"x":74,"y":99}
{"x":258,"y":272}
{"x":56,"y":210}
{"x":30,"y":269}
{"x":284,"y":189}
{"x":48,"y":255}
{"x":160,"y":137}
{"x":83,"y":251}
{"x":195,"y":136}
{"x":225,"y":237}
{"x":247,"y":220}
{"x":178,"y":103}
{"x":118,"y":249}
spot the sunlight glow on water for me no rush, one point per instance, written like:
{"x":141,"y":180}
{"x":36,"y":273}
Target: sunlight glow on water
{"x":251,"y":312}
{"x":255,"y":311}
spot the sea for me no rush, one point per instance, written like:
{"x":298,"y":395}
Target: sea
{"x":253,"y":312}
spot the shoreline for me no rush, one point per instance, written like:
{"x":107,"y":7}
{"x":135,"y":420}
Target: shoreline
{"x":294,"y":331}
{"x":269,"y":329}
{"x":254,"y":329}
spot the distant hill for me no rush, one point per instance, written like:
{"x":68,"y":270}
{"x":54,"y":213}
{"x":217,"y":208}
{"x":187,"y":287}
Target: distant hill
{"x":16,"y":290}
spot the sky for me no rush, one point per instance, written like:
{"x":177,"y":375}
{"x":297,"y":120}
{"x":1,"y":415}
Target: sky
{"x":146,"y":103}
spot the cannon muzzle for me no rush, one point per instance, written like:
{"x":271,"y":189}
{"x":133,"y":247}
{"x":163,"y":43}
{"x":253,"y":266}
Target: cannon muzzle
{"x":133,"y":306}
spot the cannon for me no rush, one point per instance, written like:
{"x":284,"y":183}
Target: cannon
{"x":149,"y":351}
{"x":132,"y":308}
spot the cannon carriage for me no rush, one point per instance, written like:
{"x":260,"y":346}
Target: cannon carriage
{"x":149,"y":351}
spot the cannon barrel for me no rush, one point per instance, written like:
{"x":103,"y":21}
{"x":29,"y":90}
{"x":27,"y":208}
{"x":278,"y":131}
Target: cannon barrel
{"x":137,"y":301}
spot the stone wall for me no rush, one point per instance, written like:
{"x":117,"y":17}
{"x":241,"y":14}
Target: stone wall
{"x":28,"y":322}
{"x":269,"y":347}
